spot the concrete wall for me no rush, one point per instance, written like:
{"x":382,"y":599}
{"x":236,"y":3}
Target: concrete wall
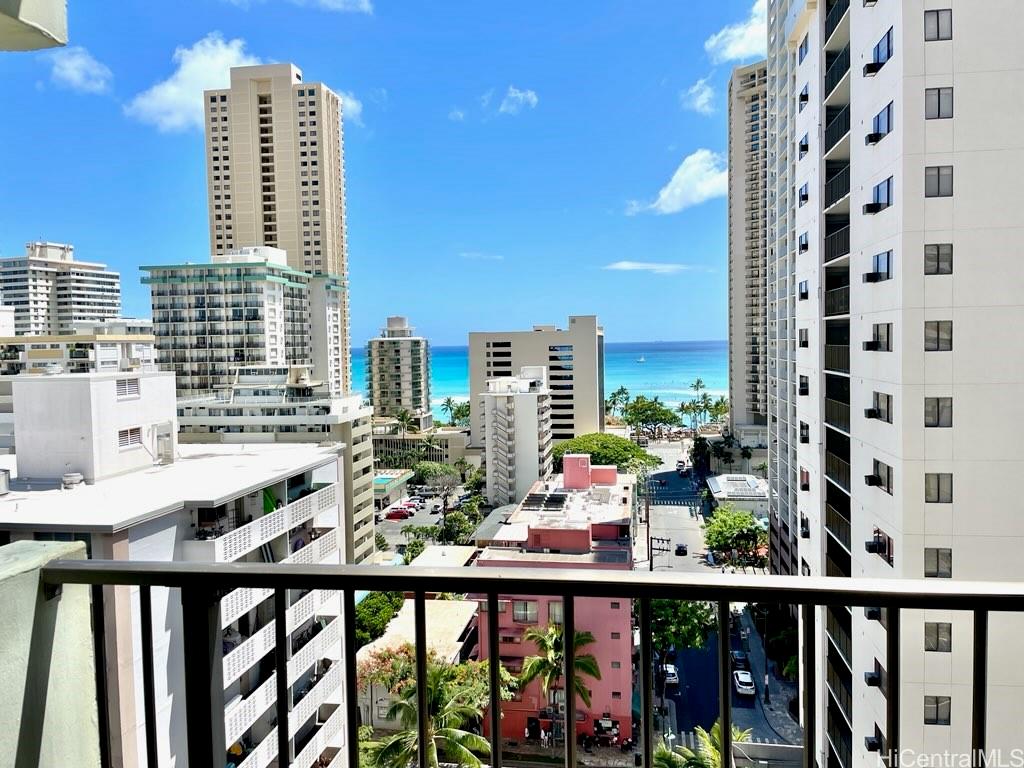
{"x":47,"y":668}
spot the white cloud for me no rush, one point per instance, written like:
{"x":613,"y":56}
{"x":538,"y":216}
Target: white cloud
{"x":701,"y":176}
{"x":478,"y":256}
{"x":743,"y":40}
{"x":351,"y":108}
{"x":699,"y":97}
{"x":456,"y":115}
{"x":516,"y":99}
{"x":485,"y":98}
{"x":352,"y":6}
{"x":75,"y":68}
{"x":176,"y":104}
{"x":655,"y":267}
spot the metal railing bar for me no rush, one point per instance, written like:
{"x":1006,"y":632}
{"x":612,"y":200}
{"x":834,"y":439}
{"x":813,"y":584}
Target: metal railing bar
{"x":421,"y":678}
{"x":148,"y":675}
{"x":282,"y":646}
{"x":204,"y":675}
{"x":99,"y":625}
{"x":724,"y":680}
{"x":351,"y":674}
{"x":892,"y":685}
{"x":979,"y":685}
{"x":494,"y":673}
{"x":647,"y":686}
{"x":807,"y":678}
{"x":569,"y":676}
{"x":819,"y":590}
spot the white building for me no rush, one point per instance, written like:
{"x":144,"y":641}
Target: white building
{"x":901,"y":359}
{"x":748,"y":346}
{"x":50,"y":291}
{"x":398,"y":373}
{"x":516,"y":422}
{"x":744,"y":492}
{"x":574,"y":358}
{"x":276,"y":173}
{"x":143,"y":498}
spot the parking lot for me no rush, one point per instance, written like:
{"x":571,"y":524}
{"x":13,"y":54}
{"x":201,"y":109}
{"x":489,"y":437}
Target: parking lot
{"x":392,"y":529}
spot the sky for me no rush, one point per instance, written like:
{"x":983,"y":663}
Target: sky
{"x":507,"y":164}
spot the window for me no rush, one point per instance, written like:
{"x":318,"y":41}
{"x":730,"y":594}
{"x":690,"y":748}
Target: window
{"x":805,"y":386}
{"x":555,"y":612}
{"x":127,"y":387}
{"x":616,"y":635}
{"x":883,"y":49}
{"x":882,"y":122}
{"x":803,"y":290}
{"x":938,"y":25}
{"x":938,"y":563}
{"x":938,"y":259}
{"x":615,"y":606}
{"x":881,"y":265}
{"x":883,"y":471}
{"x":616,"y":694}
{"x":803,"y":147}
{"x":938,"y":636}
{"x":804,"y":342}
{"x":129,"y":438}
{"x":805,"y":479}
{"x":938,"y":335}
{"x":616,"y":665}
{"x":801,"y":53}
{"x":882,"y":193}
{"x":802,"y":99}
{"x":882,"y":403}
{"x":938,"y":411}
{"x":936,"y":710}
{"x":938,"y":487}
{"x":803,"y":196}
{"x":883,"y":545}
{"x":938,"y":103}
{"x":881,"y":335}
{"x":803,"y":243}
{"x":524,"y":612}
{"x":938,"y":181}
{"x":805,"y":432}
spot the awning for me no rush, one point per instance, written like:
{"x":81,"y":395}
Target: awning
{"x":27,"y":25}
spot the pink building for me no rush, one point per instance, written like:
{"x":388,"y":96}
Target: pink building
{"x":580,"y":519}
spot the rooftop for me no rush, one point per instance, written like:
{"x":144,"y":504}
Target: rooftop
{"x":206,"y":475}
{"x":446,"y":626}
{"x":729,"y":487}
{"x":437,"y":555}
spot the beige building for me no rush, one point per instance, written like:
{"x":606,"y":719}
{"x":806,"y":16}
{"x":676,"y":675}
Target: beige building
{"x":51,"y":292}
{"x":392,"y":448}
{"x":398,"y":373}
{"x":275,"y":173}
{"x":748,"y":346}
{"x":574,"y":358}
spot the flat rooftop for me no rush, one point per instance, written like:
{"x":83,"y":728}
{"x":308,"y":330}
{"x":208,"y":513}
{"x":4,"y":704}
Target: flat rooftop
{"x":447,"y":621}
{"x":745,"y":487}
{"x":439,"y":555}
{"x":201,"y":475}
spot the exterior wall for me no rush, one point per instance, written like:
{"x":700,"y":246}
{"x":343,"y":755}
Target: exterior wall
{"x":328,"y":349}
{"x":574,"y":358}
{"x":447,"y":446}
{"x":77,"y":353}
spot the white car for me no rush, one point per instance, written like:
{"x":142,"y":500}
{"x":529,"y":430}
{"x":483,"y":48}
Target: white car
{"x":744,"y":683}
{"x":671,"y":674}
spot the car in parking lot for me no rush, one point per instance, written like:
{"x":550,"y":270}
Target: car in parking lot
{"x":682,"y":549}
{"x":671,"y":674}
{"x":398,"y":514}
{"x":743,"y":682}
{"x":740,"y":660}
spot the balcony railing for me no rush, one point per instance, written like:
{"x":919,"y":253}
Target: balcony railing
{"x":837,"y":357}
{"x":837,"y":187}
{"x":838,"y":470}
{"x":837,"y":128}
{"x":837,"y":525}
{"x":837,"y":244}
{"x":834,"y":16}
{"x":837,"y":414}
{"x":837,"y":301}
{"x":837,"y":69}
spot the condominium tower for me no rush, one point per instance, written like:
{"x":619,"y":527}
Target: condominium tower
{"x":896,"y":345}
{"x":51,"y":292}
{"x":748,"y":347}
{"x":398,"y":373}
{"x":574,"y":358}
{"x":275,"y":173}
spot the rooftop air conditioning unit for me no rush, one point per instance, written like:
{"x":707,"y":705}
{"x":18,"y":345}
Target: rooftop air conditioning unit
{"x":872,"y":208}
{"x":873,"y":138}
{"x":872,"y":68}
{"x":71,"y":480}
{"x":872,"y":480}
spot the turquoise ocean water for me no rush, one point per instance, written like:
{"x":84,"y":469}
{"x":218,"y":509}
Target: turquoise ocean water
{"x":667,"y":370}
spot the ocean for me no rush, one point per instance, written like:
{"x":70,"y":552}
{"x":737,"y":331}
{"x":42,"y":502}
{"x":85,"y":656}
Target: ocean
{"x":667,"y":371}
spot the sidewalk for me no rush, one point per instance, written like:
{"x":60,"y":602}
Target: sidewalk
{"x":777,"y":712}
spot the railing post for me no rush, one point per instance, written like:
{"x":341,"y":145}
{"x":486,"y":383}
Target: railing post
{"x":724,"y":683}
{"x":569,"y":676}
{"x":494,"y":670}
{"x":892,"y":685}
{"x":351,"y":677}
{"x":807,"y":680}
{"x":979,"y":684}
{"x":148,"y":676}
{"x":102,"y":688}
{"x":204,"y":675}
{"x":282,"y":651}
{"x":646,"y":683}
{"x":421,"y":677}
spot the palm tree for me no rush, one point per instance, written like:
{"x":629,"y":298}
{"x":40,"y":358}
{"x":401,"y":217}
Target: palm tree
{"x":705,"y":403}
{"x":708,"y":753}
{"x":463,"y":467}
{"x":549,"y":664}
{"x":747,"y":454}
{"x":405,"y":421}
{"x":619,"y":399}
{"x":448,"y":406}
{"x":698,"y":386}
{"x":762,"y":468}
{"x":448,"y":708}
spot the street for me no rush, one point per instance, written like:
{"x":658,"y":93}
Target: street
{"x":674,"y":508}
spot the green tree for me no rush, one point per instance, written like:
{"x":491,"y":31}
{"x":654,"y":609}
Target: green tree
{"x":476,"y":481}
{"x":681,"y":623}
{"x":708,"y":753}
{"x":405,"y":421}
{"x":448,"y":709}
{"x":605,"y":448}
{"x":463,"y":467}
{"x":548,"y":665}
{"x":647,"y":415}
{"x":730,"y":528}
{"x":746,"y":453}
{"x":762,"y":468}
{"x":698,"y":386}
{"x":381,"y":542}
{"x":374,"y":613}
{"x":617,"y":400}
{"x":413,"y":550}
{"x":448,"y":406}
{"x":456,"y":528}
{"x":460,"y":416}
{"x":719,"y":408}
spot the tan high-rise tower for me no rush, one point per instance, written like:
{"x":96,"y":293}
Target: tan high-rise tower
{"x":275,"y":173}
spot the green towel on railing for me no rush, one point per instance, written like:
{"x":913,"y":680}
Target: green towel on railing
{"x":269,"y":502}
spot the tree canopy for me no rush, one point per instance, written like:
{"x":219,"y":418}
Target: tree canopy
{"x":647,"y":415}
{"x":730,"y":528}
{"x":374,"y":613}
{"x":681,"y":623}
{"x":605,"y":448}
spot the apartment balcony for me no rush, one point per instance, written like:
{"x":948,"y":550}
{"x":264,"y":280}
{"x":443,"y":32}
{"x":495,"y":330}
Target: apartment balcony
{"x":835,"y":17}
{"x":837,"y":525}
{"x":837,"y":191}
{"x":837,"y":244}
{"x":837,"y":470}
{"x":837,"y":414}
{"x":837,"y":79}
{"x":837,"y":133}
{"x":837,"y":301}
{"x":837,"y":358}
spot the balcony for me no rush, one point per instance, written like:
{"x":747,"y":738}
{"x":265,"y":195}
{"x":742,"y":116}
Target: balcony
{"x":834,"y":16}
{"x":837,"y":301}
{"x":837,"y":414}
{"x":837,"y":525}
{"x":838,"y":187}
{"x":837,"y":128}
{"x":837,"y":470}
{"x":837,"y":244}
{"x":837,"y":71}
{"x":837,"y":358}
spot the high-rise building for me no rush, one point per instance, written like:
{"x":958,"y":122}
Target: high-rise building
{"x":51,"y":292}
{"x":275,"y":173}
{"x":517,"y":434}
{"x":574,"y":358}
{"x":398,"y":373}
{"x":748,"y":315}
{"x":900,"y":220}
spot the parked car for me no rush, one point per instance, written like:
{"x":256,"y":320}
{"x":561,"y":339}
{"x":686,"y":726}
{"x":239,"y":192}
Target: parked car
{"x":743,"y":681}
{"x":398,"y":514}
{"x":740,"y":660}
{"x":681,"y":550}
{"x":671,"y":674}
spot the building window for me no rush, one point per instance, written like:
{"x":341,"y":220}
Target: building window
{"x":882,"y":193}
{"x":524,"y":612}
{"x":938,"y":636}
{"x":616,"y":635}
{"x":881,"y":266}
{"x":803,"y":196}
{"x":803,"y":338}
{"x":555,"y":612}
{"x":615,"y":606}
{"x":936,"y":710}
{"x":883,"y":49}
{"x":803,"y":290}
{"x":801,"y":53}
{"x":938,"y":335}
{"x":616,"y":694}
{"x":938,"y":103}
{"x":805,"y":432}
{"x":804,"y":386}
{"x":803,"y":147}
{"x":616,"y":665}
{"x":938,"y":25}
{"x":938,"y":563}
{"x":938,"y":411}
{"x":938,"y":487}
{"x":938,"y":259}
{"x":881,"y":335}
{"x":882,"y":122}
{"x":129,"y":438}
{"x":803,"y":99}
{"x":938,"y":181}
{"x":803,"y":243}
{"x":882,"y":404}
{"x":883,"y":472}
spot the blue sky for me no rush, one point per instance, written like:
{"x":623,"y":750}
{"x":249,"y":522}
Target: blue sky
{"x":508,"y":163}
